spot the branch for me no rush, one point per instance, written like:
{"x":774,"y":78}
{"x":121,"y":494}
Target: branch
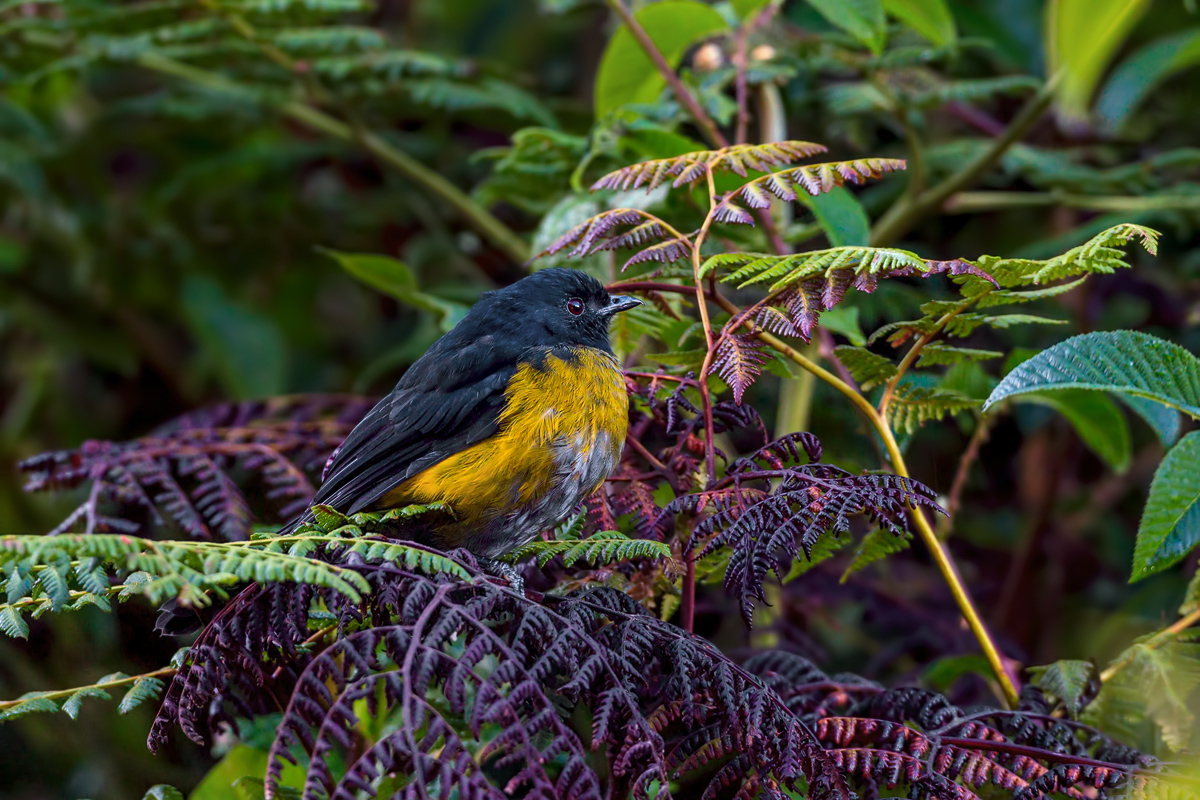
{"x":165,"y":672}
{"x":475,"y":215}
{"x":937,"y":548}
{"x":660,"y":62}
{"x":901,"y":217}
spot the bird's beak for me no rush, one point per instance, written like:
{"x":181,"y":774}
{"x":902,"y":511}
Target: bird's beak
{"x":619,"y":303}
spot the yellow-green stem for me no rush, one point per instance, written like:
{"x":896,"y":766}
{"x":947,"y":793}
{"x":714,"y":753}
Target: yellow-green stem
{"x":1181,"y":625}
{"x":941,"y":555}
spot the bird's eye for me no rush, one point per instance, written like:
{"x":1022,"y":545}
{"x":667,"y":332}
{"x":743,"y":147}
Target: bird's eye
{"x":575,"y":306}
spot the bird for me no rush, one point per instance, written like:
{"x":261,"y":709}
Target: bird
{"x":511,"y":419}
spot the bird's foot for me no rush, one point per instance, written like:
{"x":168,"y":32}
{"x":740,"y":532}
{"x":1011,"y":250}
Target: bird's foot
{"x":505,"y":571}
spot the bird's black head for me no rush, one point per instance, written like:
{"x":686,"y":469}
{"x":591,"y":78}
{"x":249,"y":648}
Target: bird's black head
{"x":556,"y":307}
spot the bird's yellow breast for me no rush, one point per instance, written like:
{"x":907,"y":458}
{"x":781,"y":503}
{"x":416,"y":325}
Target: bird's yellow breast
{"x":566,"y":415}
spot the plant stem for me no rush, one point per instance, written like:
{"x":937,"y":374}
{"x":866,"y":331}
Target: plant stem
{"x":668,"y":73}
{"x":1182,"y":624}
{"x":973,"y":202}
{"x":475,"y":215}
{"x":906,"y":213}
{"x":937,"y":549}
{"x":954,"y":500}
{"x":165,"y":672}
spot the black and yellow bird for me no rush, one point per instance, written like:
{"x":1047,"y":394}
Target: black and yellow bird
{"x":511,"y":419}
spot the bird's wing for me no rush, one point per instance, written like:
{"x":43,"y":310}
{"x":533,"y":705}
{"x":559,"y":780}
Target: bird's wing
{"x":447,"y":401}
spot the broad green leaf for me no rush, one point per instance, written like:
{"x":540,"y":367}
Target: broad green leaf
{"x":1142,"y":72}
{"x":242,"y":761}
{"x":1164,"y":420}
{"x":1081,"y":38}
{"x":1170,"y":525}
{"x":1067,"y":680}
{"x":930,"y":18}
{"x":245,"y":349}
{"x":746,"y":9}
{"x":1126,"y":362}
{"x":840,"y":216}
{"x":626,"y":74}
{"x":1096,"y":418}
{"x":394,"y":278}
{"x":862,"y":19}
{"x":844,"y":319}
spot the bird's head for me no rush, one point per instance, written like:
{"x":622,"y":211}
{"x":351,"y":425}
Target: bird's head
{"x":558,"y":307}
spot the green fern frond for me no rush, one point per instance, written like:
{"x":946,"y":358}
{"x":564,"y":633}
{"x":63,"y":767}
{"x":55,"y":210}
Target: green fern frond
{"x":937,"y":354}
{"x":328,"y":39}
{"x":875,"y":546}
{"x":869,"y":369}
{"x":1099,"y":255}
{"x":912,"y":406}
{"x":785,"y":270}
{"x":45,"y":573}
{"x":688,"y":168}
{"x":602,"y":547}
{"x":69,"y":701}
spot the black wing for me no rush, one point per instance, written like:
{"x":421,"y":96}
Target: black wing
{"x":450,"y":399}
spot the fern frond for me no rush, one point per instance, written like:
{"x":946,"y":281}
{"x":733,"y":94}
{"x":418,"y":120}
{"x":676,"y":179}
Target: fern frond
{"x":602,"y":547}
{"x":42,"y":569}
{"x":691,"y":167}
{"x":618,"y":228}
{"x":912,"y":406}
{"x":739,"y":360}
{"x":869,"y":369}
{"x":814,"y":179}
{"x":938,"y":354}
{"x":1099,"y":255}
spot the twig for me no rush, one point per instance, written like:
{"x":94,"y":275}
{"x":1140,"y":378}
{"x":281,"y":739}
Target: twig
{"x":1182,"y":624}
{"x":660,"y":62}
{"x":954,"y":501}
{"x":165,"y":672}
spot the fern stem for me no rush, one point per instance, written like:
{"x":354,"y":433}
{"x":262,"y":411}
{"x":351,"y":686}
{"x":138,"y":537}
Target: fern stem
{"x":165,"y":672}
{"x":913,"y":352}
{"x":906,"y":213}
{"x":711,"y":132}
{"x":1162,"y":637}
{"x":941,"y":556}
{"x":475,"y":215}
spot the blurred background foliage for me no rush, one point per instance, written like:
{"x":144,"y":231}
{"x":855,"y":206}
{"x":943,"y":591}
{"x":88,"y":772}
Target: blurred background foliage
{"x":178,"y":179}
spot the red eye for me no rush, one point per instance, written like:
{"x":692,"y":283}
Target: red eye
{"x":575,"y":306}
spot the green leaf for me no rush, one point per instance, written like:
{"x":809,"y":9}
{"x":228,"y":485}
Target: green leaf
{"x":844,"y":320}
{"x":840,"y":215}
{"x":241,"y":762}
{"x":1141,"y":72}
{"x":1081,"y":38}
{"x":626,"y":74}
{"x":930,"y":18}
{"x":246,"y":349}
{"x":1164,"y":420}
{"x":163,"y":792}
{"x":1067,"y":680}
{"x":876,"y":545}
{"x":862,"y":19}
{"x":1127,"y":362}
{"x":1096,"y":418}
{"x":1170,"y":525}
{"x":394,"y":278}
{"x":745,"y":9}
